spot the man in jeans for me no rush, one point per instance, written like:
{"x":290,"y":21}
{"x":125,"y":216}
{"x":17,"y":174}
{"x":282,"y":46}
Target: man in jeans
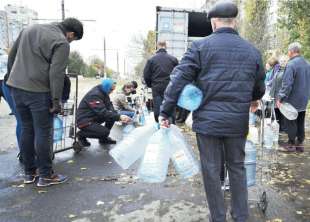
{"x":296,"y":91}
{"x":157,"y":75}
{"x":230,"y":73}
{"x":36,"y":81}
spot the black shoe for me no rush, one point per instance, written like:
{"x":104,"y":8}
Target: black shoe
{"x":30,"y":178}
{"x":83,"y":141}
{"x":107,"y":140}
{"x":51,"y":180}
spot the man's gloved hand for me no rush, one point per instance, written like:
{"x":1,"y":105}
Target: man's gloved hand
{"x":125,"y":119}
{"x":56,"y":107}
{"x":163,"y":122}
{"x":137,"y":111}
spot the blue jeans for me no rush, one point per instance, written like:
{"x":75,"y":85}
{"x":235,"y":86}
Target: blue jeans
{"x":127,"y":113}
{"x":9,"y":99}
{"x":36,"y":134}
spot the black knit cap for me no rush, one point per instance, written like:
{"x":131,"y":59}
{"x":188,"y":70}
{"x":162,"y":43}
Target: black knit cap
{"x":223,"y":9}
{"x":73,"y":25}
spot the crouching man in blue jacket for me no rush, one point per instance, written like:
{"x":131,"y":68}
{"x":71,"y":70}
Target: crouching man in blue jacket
{"x":96,"y":109}
{"x":230,"y":73}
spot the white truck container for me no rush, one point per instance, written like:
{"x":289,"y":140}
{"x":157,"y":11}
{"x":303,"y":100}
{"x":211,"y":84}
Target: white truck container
{"x":180,"y":27}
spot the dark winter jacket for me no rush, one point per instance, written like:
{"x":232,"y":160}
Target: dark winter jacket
{"x":296,"y":83}
{"x":230,"y":73}
{"x":157,"y":71}
{"x":276,"y":83}
{"x":95,"y":107}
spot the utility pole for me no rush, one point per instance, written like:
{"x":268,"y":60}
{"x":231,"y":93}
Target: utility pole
{"x":105,"y":57}
{"x":63,"y":10}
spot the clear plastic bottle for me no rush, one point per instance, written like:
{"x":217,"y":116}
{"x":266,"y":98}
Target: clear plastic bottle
{"x":275,"y":129}
{"x":183,"y":158}
{"x":268,"y":136}
{"x":288,"y":111}
{"x":132,"y":147}
{"x":154,"y":165}
{"x":58,"y":129}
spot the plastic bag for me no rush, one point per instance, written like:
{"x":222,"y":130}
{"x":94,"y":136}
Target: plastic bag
{"x":182,"y":157}
{"x":154,"y":165}
{"x":58,"y":129}
{"x":190,"y":98}
{"x":288,"y":111}
{"x":131,"y":148}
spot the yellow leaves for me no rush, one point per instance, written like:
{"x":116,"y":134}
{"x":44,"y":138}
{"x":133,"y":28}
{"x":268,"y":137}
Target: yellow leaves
{"x":83,"y":168}
{"x":42,"y":191}
{"x":70,"y":161}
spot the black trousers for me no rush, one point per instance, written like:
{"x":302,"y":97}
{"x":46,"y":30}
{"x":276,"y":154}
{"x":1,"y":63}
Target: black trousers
{"x":157,"y":101}
{"x":211,"y":157}
{"x":296,"y":128}
{"x":280,"y":118}
{"x":96,"y":130}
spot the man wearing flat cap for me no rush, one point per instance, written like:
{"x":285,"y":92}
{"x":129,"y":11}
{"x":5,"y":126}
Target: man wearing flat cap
{"x":230,"y":72}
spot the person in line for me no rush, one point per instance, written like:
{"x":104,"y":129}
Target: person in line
{"x":36,"y":81}
{"x":276,"y":86}
{"x":157,"y":75}
{"x":271,"y":67}
{"x":230,"y":72}
{"x":120,"y":102}
{"x":96,"y":109}
{"x":295,"y":90}
{"x":7,"y":94}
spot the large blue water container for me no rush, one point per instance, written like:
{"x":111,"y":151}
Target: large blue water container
{"x":58,"y":129}
{"x":250,"y":163}
{"x":190,"y":98}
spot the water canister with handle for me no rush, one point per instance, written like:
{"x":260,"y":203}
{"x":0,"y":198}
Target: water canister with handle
{"x":250,"y":163}
{"x":58,"y":129}
{"x":288,"y":111}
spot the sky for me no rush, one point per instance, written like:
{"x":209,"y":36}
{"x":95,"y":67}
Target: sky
{"x":118,"y":21}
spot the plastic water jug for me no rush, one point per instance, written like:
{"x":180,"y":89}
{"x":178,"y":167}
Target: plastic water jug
{"x":128,"y":128}
{"x":58,"y":129}
{"x":190,"y":98}
{"x":252,"y":119}
{"x":250,"y":163}
{"x":145,"y":110}
{"x":132,"y":147}
{"x":288,"y":111}
{"x":268,"y":135}
{"x":253,"y":134}
{"x":275,"y":129}
{"x":182,"y":157}
{"x":154,"y":165}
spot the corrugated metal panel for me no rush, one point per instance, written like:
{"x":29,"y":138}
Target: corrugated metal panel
{"x":173,"y":28}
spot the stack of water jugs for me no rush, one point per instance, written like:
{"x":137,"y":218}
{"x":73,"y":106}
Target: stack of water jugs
{"x":156,"y":146}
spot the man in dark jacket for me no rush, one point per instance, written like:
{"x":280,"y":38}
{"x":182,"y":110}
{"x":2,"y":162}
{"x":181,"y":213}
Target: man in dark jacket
{"x":37,"y":79}
{"x":296,"y":91}
{"x":95,"y":109}
{"x":230,"y":73}
{"x":157,"y":74}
